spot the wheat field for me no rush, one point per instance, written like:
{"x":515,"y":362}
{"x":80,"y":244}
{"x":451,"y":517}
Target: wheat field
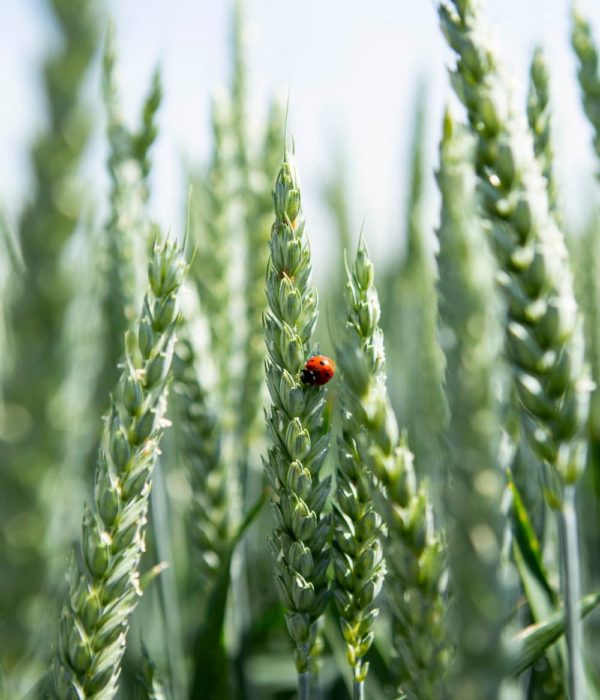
{"x":224,"y":478}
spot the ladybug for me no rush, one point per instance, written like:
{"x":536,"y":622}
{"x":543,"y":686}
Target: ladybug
{"x":318,"y":370}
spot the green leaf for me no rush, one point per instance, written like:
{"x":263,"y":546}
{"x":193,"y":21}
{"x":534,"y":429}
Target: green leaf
{"x":542,"y":598}
{"x":529,"y":644}
{"x":528,"y":542}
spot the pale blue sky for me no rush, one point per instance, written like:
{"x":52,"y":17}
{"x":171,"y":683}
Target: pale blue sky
{"x":351,"y":67}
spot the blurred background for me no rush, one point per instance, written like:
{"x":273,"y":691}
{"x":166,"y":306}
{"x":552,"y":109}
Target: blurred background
{"x":351,"y":71}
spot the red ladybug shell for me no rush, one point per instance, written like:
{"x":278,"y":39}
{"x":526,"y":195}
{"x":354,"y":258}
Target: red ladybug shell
{"x":318,"y":370}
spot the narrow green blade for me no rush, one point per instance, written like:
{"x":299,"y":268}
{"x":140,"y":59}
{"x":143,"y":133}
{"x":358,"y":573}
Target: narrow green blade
{"x":529,"y":644}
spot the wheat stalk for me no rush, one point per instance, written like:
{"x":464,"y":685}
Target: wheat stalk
{"x":586,"y":51}
{"x":259,"y":207}
{"x":471,"y":333}
{"x":37,"y":308}
{"x":539,"y":116}
{"x":409,"y":315}
{"x":298,"y":443}
{"x":357,"y":551}
{"x":544,"y":339}
{"x":413,"y":550}
{"x":104,"y":585}
{"x":211,"y":225}
{"x":126,"y":230}
{"x":199,"y":428}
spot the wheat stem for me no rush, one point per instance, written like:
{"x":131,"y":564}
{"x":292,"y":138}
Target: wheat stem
{"x":357,"y":552}
{"x":471,"y":334}
{"x":572,"y":582}
{"x":105,"y":586}
{"x":298,"y":443}
{"x":544,"y":340}
{"x":358,"y":690}
{"x":413,"y":551}
{"x":304,"y":686}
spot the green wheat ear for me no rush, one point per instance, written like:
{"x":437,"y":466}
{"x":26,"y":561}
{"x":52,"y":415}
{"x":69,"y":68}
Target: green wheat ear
{"x":409,"y":315}
{"x":413,"y":550}
{"x":124,"y":242}
{"x":357,"y":551}
{"x":259,"y":214}
{"x":471,"y":332}
{"x":544,"y":339}
{"x":200,"y":431}
{"x":211,"y":221}
{"x":298,"y":443}
{"x":539,"y":116}
{"x":38,"y":358}
{"x":586,"y":51}
{"x":105,"y":584}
